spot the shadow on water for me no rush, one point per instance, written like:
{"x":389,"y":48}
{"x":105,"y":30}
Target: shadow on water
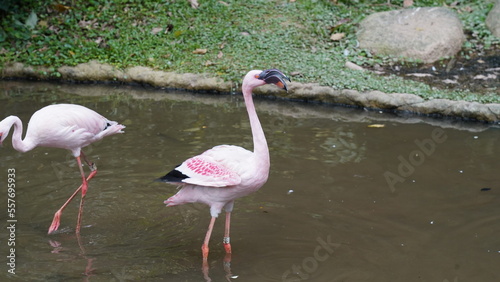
{"x":410,"y":199}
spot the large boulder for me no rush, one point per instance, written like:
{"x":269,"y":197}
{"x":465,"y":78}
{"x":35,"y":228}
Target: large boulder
{"x":426,"y":34}
{"x":493,"y":19}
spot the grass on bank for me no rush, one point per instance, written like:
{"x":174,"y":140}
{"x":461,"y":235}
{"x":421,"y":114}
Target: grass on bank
{"x":221,"y":38}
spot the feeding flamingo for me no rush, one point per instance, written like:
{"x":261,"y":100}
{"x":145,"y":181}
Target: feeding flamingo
{"x":224,"y":173}
{"x":65,"y":126}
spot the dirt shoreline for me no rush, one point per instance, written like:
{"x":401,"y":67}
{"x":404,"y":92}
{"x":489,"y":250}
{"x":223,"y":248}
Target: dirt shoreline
{"x":310,"y":92}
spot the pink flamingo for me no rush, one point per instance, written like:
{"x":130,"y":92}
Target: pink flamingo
{"x":63,"y":126}
{"x":224,"y":173}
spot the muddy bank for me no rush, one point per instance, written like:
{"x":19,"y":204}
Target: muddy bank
{"x":394,"y":102}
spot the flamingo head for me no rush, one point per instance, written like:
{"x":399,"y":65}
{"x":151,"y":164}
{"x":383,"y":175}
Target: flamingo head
{"x":274,"y":76}
{"x":257,"y":78}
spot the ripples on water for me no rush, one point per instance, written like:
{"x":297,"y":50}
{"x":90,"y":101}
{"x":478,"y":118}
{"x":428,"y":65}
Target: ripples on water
{"x":327,"y":186}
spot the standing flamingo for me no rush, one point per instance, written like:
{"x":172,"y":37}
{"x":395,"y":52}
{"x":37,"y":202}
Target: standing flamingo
{"x":224,"y":173}
{"x":65,"y":126}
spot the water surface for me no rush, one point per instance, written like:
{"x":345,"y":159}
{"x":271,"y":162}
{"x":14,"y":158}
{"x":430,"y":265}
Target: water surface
{"x":347,"y":199}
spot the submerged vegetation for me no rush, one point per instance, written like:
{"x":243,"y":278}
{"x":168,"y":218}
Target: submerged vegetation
{"x":222,"y":38}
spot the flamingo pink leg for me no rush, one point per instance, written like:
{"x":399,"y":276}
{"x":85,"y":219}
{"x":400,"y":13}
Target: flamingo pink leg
{"x":226,"y":240}
{"x":204,"y":247}
{"x":84,"y":192}
{"x":57,"y":216}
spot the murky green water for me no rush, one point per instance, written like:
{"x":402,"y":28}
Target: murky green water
{"x":344,"y":201}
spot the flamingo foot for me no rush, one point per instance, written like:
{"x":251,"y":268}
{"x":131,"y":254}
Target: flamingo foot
{"x":170,"y":201}
{"x":204,"y":251}
{"x":227,"y":247}
{"x":55,"y":222}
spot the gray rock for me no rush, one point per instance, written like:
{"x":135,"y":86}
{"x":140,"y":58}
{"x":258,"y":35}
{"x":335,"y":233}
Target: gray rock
{"x":493,"y":19}
{"x":427,"y":34}
{"x":91,"y":71}
{"x":461,"y":109}
{"x":188,"y":81}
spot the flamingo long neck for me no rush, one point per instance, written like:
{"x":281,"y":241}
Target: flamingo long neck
{"x":18,"y":144}
{"x":261,"y":150}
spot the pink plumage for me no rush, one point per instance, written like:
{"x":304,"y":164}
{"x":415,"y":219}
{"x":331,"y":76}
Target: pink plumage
{"x":224,"y":173}
{"x":65,"y":126}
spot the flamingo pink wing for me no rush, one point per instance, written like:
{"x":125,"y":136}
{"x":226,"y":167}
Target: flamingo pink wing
{"x":205,"y":171}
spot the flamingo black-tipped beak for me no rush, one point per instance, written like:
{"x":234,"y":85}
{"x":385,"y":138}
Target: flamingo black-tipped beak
{"x":274,"y":76}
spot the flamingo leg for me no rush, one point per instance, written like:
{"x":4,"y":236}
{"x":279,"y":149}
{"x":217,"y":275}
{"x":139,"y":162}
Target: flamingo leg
{"x":227,"y":246}
{"x":226,"y":240}
{"x":57,"y":216}
{"x":84,"y":186}
{"x":91,"y":165}
{"x":204,"y":247}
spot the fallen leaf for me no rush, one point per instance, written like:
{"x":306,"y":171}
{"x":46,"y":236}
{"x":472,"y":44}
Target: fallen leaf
{"x":407,"y":3}
{"x":376,"y":125}
{"x":156,"y":30}
{"x":61,"y":8}
{"x":194,"y":4}
{"x":220,"y":55}
{"x":86,"y":24}
{"x":54,"y":29}
{"x":200,"y":51}
{"x":209,"y":63}
{"x":337,"y":36}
